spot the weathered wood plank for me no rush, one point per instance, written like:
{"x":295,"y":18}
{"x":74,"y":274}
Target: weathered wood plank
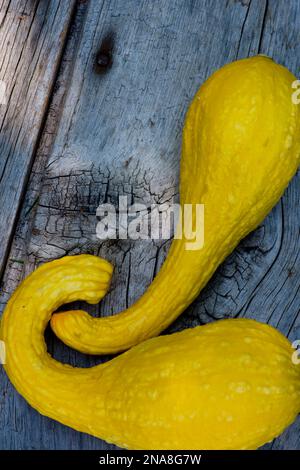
{"x":32,"y":35}
{"x":120,"y":133}
{"x":19,"y":427}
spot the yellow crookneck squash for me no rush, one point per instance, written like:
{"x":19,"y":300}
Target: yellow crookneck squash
{"x":231,"y":384}
{"x":241,"y":147}
{"x":227,"y":385}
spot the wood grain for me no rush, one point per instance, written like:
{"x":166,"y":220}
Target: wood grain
{"x":32,"y":35}
{"x":118,"y":132}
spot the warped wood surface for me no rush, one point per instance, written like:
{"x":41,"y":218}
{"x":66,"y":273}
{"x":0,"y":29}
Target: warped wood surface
{"x":118,"y":132}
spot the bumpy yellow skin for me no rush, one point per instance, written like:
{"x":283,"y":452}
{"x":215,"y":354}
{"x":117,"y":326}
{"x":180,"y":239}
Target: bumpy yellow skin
{"x":241,"y":147}
{"x":227,"y":385}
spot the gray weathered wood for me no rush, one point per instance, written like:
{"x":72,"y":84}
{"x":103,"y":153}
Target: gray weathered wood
{"x":32,"y":35}
{"x":119,"y":132}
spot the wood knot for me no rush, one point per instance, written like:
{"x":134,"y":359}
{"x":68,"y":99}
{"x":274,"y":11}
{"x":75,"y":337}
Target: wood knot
{"x":104,"y":57}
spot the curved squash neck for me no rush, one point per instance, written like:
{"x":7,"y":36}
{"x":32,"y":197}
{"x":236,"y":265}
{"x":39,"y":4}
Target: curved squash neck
{"x":22,"y":330}
{"x":179,"y":281}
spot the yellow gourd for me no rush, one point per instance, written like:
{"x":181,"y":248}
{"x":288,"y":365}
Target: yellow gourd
{"x":241,"y":146}
{"x":227,"y":385}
